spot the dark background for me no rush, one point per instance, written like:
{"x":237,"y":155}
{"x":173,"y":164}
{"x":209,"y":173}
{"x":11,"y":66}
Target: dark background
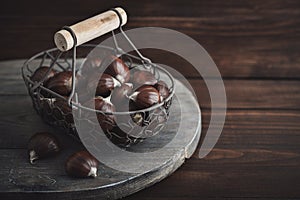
{"x":255,"y":44}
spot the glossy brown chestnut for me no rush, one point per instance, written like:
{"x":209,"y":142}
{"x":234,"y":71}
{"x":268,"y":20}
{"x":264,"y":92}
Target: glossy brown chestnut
{"x":145,"y":96}
{"x":82,"y":164}
{"x":42,"y":73}
{"x":118,"y":69}
{"x":46,"y":105}
{"x":104,"y":86}
{"x":162,"y":89}
{"x":137,"y":117}
{"x":120,"y":96}
{"x":143,"y":78}
{"x":42,"y":145}
{"x":106,"y":121}
{"x":61,"y":83}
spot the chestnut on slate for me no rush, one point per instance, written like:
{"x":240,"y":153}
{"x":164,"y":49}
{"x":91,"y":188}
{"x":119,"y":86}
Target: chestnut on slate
{"x":82,"y":164}
{"x":118,"y":69}
{"x":40,"y":74}
{"x":61,"y":83}
{"x":145,"y":96}
{"x":143,"y":78}
{"x":41,"y":145}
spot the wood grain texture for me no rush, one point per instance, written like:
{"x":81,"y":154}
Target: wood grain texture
{"x":255,"y":45}
{"x":257,"y":39}
{"x":90,"y":28}
{"x":18,"y":177}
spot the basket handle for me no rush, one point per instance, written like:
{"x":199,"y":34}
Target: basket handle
{"x":90,"y":28}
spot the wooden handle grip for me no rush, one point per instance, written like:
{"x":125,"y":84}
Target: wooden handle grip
{"x":90,"y":29}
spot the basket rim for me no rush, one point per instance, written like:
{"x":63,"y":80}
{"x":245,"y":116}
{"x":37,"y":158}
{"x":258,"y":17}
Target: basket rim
{"x":78,"y":105}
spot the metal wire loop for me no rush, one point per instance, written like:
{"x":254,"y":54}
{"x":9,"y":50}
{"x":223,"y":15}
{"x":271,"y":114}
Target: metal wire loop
{"x":67,"y":28}
{"x":119,"y":15}
{"x":146,"y":61}
{"x":140,"y":123}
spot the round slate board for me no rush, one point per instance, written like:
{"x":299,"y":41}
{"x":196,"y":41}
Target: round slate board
{"x":47,"y":179}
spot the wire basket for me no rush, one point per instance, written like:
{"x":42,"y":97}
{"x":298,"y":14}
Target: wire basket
{"x":56,"y":109}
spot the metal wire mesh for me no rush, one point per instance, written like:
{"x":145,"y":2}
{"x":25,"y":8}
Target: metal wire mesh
{"x":57,"y":110}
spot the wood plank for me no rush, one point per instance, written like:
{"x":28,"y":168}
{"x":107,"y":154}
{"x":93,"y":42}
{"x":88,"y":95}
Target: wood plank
{"x":226,"y":180}
{"x":150,"y":8}
{"x":253,"y":94}
{"x":256,"y":42}
{"x":252,"y":55}
{"x":259,"y":39}
{"x":276,"y":130}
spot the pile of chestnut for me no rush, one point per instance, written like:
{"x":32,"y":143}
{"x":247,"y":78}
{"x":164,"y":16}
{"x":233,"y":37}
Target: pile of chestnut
{"x":115,"y":89}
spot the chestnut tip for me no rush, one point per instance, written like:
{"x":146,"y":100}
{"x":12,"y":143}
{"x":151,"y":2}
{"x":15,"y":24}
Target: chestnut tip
{"x":82,"y":165}
{"x":42,"y":145}
{"x":33,"y":157}
{"x":138,"y":118}
{"x":93,"y":172}
{"x":120,"y":78}
{"x":133,"y":96}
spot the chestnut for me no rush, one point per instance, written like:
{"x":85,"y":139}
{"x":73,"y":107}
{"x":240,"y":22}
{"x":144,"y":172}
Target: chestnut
{"x":106,"y":121}
{"x":41,"y":145}
{"x":120,"y":96}
{"x":145,"y":96}
{"x":104,"y":86}
{"x":137,"y":117}
{"x":143,"y":78}
{"x":162,"y":89}
{"x":61,"y":83}
{"x":42,"y":73}
{"x":118,"y":69}
{"x":82,"y":164}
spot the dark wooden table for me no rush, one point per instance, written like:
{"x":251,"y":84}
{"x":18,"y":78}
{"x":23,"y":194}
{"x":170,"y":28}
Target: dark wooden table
{"x":256,"y":45}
